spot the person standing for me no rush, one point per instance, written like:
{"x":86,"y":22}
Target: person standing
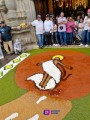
{"x":48,"y":29}
{"x":55,"y":34}
{"x":69,"y":28}
{"x":38,"y":23}
{"x":62,"y":28}
{"x":86,"y":32}
{"x":6,"y":37}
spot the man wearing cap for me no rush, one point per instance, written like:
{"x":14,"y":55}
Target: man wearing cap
{"x":6,"y":37}
{"x":62,"y":28}
{"x":38,"y":23}
{"x":86,"y":33}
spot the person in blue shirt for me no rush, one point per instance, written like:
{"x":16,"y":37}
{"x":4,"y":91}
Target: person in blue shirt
{"x":6,"y":37}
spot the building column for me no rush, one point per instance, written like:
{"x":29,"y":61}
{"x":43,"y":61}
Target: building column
{"x":50,"y":4}
{"x":89,"y":3}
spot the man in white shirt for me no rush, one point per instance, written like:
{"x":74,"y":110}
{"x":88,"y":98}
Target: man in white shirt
{"x":39,"y":30}
{"x":62,"y":28}
{"x":48,"y":28}
{"x":86,"y":33}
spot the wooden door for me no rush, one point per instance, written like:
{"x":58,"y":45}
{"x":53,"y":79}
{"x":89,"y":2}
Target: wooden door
{"x":41,"y":7}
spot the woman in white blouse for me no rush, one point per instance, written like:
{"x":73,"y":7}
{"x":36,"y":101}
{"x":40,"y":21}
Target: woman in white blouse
{"x":86,"y":33}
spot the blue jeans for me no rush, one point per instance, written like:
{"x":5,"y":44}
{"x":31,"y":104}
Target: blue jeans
{"x":40,"y":38}
{"x":84,"y":36}
{"x":62,"y":36}
{"x":69,"y":38}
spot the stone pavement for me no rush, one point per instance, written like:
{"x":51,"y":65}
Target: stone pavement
{"x":7,"y":59}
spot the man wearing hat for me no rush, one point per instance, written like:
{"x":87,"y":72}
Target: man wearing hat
{"x":86,"y":33}
{"x":6,"y":37}
{"x":38,"y":23}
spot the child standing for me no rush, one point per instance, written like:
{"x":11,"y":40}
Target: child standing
{"x":55,"y":34}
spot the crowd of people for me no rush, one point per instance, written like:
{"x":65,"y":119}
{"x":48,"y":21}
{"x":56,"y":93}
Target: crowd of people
{"x":63,"y":31}
{"x":59,"y":31}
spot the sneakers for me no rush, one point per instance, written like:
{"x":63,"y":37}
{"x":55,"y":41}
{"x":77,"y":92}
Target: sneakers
{"x":47,"y":46}
{"x":86,"y":45}
{"x":65,"y":45}
{"x":81,"y":45}
{"x":56,"y":45}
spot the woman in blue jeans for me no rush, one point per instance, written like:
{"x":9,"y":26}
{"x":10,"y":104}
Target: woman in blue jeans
{"x":69,"y":38}
{"x":84,"y":38}
{"x":86,"y":33}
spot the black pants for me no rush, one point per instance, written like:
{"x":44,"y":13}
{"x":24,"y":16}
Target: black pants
{"x":48,"y":37}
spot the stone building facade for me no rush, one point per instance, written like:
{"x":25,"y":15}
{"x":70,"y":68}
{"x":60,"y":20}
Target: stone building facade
{"x":17,"y":11}
{"x":14,"y":12}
